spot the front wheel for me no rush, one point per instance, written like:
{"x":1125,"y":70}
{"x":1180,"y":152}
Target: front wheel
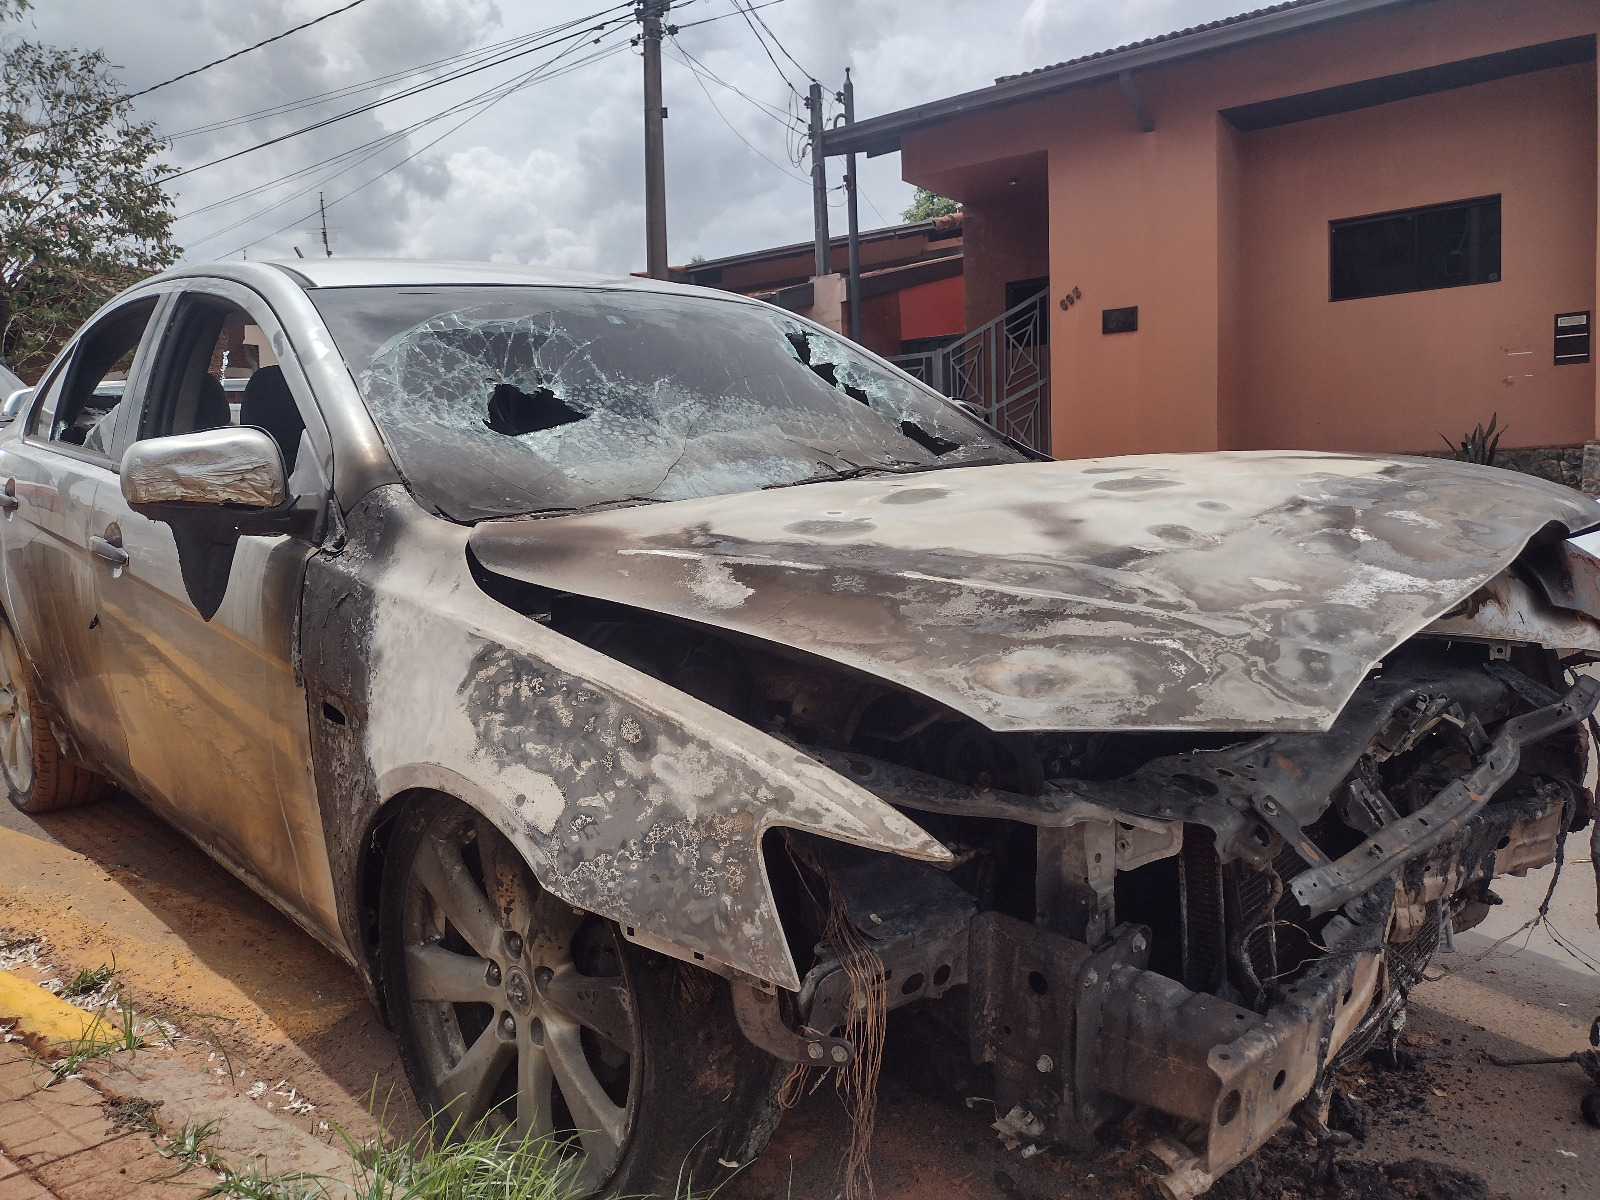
{"x":522,"y":1016}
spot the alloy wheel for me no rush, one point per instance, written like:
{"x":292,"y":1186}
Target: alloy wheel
{"x":520,"y":1011}
{"x":16,"y":718}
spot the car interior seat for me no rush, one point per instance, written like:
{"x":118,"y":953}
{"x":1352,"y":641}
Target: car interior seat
{"x":269,"y":405}
{"x":211,"y":409}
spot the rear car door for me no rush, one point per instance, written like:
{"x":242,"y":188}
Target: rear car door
{"x":49,"y":479}
{"x":199,"y":633}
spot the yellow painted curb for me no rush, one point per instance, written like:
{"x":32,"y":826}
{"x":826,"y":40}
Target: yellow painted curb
{"x":40,"y":1016}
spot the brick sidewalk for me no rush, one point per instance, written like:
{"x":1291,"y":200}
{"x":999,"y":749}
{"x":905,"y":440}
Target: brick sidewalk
{"x":59,"y":1142}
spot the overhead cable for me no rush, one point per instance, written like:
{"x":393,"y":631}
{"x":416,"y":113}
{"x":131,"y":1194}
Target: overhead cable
{"x":755,"y":12}
{"x":237,"y":53}
{"x":483,"y":100}
{"x":403,"y":94}
{"x":488,"y":99}
{"x":730,"y":125}
{"x":479,"y":53}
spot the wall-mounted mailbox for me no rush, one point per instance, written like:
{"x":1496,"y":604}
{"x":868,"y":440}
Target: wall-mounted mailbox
{"x":1572,"y":338}
{"x":1121,"y":320}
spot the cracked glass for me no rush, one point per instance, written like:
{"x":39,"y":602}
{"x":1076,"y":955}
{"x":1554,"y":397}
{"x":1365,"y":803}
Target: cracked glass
{"x":506,"y":400}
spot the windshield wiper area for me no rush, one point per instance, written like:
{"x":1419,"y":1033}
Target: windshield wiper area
{"x":513,"y":411}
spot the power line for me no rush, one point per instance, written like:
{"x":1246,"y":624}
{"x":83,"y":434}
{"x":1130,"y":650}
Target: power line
{"x":487,"y":99}
{"x":504,"y":91}
{"x":407,"y":92}
{"x":694,"y":64}
{"x":229,"y":58}
{"x":350,"y":89}
{"x":756,"y":13}
{"x":730,"y":124}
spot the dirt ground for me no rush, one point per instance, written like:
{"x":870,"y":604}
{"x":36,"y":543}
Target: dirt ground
{"x":260,"y":1003}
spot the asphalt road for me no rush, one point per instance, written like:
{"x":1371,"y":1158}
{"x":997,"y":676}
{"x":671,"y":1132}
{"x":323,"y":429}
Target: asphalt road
{"x":262,"y":1003}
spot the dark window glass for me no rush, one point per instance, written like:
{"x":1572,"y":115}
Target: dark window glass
{"x":502,"y":400}
{"x":1418,"y":250}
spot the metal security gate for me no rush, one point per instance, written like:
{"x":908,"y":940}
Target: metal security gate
{"x":1002,"y":369}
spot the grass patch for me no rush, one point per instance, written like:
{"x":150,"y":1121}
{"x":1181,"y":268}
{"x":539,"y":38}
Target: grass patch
{"x":85,"y":982}
{"x":104,"y":1037}
{"x":135,"y":1114}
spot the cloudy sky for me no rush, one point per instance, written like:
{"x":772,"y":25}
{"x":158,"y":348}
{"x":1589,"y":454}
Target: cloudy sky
{"x":551,"y":171}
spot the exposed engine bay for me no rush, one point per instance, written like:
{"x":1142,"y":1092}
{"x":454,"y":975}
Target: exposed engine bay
{"x":1205,"y":924}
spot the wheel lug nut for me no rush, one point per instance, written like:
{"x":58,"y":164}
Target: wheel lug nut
{"x":542,"y":978}
{"x":514,"y":944}
{"x":492,"y":977}
{"x":508,"y":1026}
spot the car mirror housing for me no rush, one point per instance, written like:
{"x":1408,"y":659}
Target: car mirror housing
{"x":14,"y":404}
{"x":236,"y":467}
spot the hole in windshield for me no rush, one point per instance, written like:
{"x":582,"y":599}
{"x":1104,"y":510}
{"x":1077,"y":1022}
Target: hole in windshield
{"x":513,"y":411}
{"x":931,"y":441}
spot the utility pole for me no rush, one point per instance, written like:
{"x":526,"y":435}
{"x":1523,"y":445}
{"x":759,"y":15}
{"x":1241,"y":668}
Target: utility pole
{"x":854,"y":293}
{"x":649,"y":13}
{"x":323,"y":209}
{"x":819,"y":182}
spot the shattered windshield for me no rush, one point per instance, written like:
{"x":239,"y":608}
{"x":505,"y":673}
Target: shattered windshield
{"x":502,"y":400}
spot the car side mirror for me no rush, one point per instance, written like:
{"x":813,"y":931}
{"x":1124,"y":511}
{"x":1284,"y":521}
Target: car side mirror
{"x":231,"y":466}
{"x":14,"y":404}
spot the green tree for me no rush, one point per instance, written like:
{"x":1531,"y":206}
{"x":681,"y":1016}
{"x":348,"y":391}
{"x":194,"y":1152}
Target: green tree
{"x":926,"y":205}
{"x":83,"y":212}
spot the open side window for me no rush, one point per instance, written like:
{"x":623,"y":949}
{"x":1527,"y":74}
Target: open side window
{"x":86,"y":398}
{"x":217,"y":368}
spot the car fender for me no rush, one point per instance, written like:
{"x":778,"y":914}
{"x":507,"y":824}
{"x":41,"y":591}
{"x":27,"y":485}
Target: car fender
{"x":627,"y":797}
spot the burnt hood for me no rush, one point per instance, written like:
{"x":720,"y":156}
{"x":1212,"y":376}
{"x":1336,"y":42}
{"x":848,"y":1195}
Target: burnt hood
{"x":1245,"y":591}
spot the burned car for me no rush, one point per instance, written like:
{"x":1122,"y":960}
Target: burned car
{"x":646,"y":690}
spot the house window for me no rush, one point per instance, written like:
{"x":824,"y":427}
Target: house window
{"x":1416,"y":250}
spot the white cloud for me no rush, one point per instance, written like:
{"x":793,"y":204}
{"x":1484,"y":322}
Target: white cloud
{"x":554,"y":172}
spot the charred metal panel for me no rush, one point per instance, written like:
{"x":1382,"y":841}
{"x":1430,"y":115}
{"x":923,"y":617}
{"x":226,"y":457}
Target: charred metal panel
{"x":1244,"y":591}
{"x":628,"y":798}
{"x":1508,"y":610}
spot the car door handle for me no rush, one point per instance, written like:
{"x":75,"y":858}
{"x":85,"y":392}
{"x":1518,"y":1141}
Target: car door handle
{"x":108,"y":550}
{"x":8,"y":496}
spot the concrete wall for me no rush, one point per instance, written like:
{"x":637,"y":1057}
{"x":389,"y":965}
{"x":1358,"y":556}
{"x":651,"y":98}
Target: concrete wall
{"x":1221,"y":239}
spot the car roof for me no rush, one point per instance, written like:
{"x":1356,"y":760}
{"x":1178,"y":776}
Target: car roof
{"x":313,"y":273}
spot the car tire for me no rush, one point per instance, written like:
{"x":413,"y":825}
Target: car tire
{"x":38,"y":778}
{"x":519,"y":1015}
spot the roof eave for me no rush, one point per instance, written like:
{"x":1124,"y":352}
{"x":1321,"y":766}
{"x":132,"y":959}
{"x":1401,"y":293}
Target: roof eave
{"x":881,"y":135}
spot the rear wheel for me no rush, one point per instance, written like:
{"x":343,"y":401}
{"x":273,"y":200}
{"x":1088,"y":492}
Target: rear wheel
{"x":524,"y":1017}
{"x":37,"y":778}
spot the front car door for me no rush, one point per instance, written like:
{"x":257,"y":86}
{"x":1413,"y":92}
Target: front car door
{"x":199,"y":635}
{"x":49,"y":480}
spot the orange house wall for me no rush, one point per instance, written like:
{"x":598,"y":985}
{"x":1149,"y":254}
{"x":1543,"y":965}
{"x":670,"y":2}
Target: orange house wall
{"x":1394,"y":372}
{"x":1169,"y":221}
{"x":932,"y":309}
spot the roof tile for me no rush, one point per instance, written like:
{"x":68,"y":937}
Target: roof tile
{"x":1165,"y":37}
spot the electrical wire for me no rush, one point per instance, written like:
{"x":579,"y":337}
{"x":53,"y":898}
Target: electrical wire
{"x":765,"y":49}
{"x":785,"y":171}
{"x":504,"y":91}
{"x":238,"y":53}
{"x":482,"y":102}
{"x":354,"y":89}
{"x":405,"y":93}
{"x":755,"y":12}
{"x":694,"y":64}
{"x":381,"y":142}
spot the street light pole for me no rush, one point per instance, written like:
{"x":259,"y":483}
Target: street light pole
{"x":655,"y":171}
